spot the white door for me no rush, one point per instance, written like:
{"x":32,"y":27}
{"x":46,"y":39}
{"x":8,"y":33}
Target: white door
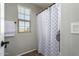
{"x":1,"y":28}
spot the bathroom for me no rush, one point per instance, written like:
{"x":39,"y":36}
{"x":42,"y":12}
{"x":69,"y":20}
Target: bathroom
{"x":40,"y":29}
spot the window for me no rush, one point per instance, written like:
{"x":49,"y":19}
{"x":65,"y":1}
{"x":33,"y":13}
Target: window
{"x":24,"y":19}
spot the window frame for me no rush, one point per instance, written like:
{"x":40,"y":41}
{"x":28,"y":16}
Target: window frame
{"x":24,"y":20}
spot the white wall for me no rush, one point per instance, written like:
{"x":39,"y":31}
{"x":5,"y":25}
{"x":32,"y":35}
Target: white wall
{"x":69,"y":43}
{"x":21,"y":42}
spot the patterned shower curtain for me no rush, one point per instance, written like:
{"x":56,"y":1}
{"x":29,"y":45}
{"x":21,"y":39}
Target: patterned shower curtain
{"x":47,"y":23}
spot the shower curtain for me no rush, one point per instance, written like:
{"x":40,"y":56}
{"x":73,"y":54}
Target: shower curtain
{"x":47,"y":23}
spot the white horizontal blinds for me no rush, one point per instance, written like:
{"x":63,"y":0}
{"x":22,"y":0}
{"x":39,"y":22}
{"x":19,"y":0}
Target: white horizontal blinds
{"x":27,"y":26}
{"x":27,"y":14}
{"x":24,"y":13}
{"x":24,"y":19}
{"x":21,"y":26}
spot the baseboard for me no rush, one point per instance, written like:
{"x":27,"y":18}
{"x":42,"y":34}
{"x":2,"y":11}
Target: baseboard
{"x":26,"y":52}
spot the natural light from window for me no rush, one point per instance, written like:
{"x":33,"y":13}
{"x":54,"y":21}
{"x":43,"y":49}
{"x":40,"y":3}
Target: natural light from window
{"x":24,"y":19}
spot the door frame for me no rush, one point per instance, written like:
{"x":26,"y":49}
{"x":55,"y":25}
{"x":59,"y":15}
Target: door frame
{"x":1,"y":28}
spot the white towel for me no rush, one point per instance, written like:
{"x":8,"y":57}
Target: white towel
{"x":9,"y":28}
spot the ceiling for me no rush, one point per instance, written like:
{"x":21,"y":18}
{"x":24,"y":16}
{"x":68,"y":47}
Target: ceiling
{"x":43,"y":5}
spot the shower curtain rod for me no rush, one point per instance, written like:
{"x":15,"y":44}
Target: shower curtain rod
{"x":46,"y":8}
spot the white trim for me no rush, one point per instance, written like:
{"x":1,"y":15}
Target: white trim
{"x":26,"y":52}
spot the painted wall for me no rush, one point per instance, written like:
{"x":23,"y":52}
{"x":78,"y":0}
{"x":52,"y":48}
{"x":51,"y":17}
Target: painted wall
{"x":21,"y":42}
{"x":69,"y":43}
